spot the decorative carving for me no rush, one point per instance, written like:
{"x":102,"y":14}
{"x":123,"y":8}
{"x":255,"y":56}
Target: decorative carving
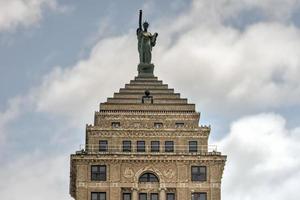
{"x":169,"y":173}
{"x":128,"y":173}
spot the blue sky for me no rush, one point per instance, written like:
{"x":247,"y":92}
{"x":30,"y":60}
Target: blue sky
{"x":237,"y":60}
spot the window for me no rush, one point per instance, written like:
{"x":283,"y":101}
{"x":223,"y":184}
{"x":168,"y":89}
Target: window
{"x":158,"y":125}
{"x":126,"y":146}
{"x":199,"y":196}
{"x":153,"y":196}
{"x":198,"y":173}
{"x":98,"y":173}
{"x":170,"y":196}
{"x":169,"y":146}
{"x":126,"y":196}
{"x":148,"y":177}
{"x":193,"y":146}
{"x":154,"y":146}
{"x":98,"y":196}
{"x":142,"y":196}
{"x":115,"y":124}
{"x":140,"y":146}
{"x":103,"y":145}
{"x":179,"y":125}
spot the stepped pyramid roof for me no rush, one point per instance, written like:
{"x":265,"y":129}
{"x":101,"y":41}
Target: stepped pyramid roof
{"x":147,"y":94}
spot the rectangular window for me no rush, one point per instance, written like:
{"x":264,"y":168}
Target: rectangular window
{"x":193,"y":146}
{"x":179,"y":125}
{"x":199,"y":196}
{"x":140,"y":146}
{"x":98,"y":196}
{"x":158,"y":125}
{"x":126,"y":146}
{"x":198,"y":173}
{"x":153,"y":196}
{"x":103,"y":145}
{"x":142,"y":196}
{"x":169,"y":146}
{"x":126,"y":196}
{"x":154,"y":146}
{"x":115,"y":124}
{"x":98,"y":173}
{"x":170,"y":196}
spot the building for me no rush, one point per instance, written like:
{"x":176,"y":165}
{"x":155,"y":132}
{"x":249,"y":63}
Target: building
{"x":146,"y":144}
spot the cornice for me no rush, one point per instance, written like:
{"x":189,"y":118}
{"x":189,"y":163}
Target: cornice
{"x":219,"y":159}
{"x":147,"y":112}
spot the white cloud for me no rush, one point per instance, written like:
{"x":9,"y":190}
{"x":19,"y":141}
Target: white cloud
{"x":22,"y":12}
{"x":246,"y":70}
{"x":263,"y":159}
{"x":35,"y":177}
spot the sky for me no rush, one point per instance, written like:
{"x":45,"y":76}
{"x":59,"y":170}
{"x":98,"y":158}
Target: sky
{"x":237,"y":60}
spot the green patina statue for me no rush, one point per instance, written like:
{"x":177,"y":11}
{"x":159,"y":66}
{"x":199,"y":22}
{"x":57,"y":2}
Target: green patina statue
{"x":145,"y":41}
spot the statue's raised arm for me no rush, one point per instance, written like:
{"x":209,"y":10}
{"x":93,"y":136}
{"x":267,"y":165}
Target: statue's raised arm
{"x":140,"y":19}
{"x":139,"y":29}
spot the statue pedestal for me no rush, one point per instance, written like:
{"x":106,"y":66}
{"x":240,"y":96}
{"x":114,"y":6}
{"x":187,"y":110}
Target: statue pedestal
{"x":145,"y":70}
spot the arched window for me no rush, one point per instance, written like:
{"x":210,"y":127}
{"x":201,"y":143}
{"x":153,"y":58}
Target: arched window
{"x":148,"y":177}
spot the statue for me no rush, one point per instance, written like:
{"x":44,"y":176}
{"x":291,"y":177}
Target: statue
{"x":145,"y":41}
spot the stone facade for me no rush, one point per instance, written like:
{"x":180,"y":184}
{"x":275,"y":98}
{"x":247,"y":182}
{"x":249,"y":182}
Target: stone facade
{"x":162,"y":116}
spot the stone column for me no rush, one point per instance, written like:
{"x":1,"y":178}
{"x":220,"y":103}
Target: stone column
{"x":135,"y":195}
{"x":162,"y":194}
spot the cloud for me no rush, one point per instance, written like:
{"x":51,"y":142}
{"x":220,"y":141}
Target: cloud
{"x":35,"y":177}
{"x":262,"y":159}
{"x":246,"y":70}
{"x":14,"y":13}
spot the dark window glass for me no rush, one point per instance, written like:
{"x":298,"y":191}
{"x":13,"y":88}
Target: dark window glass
{"x":199,"y":196}
{"x":154,"y":146}
{"x":126,"y":146}
{"x":143,"y":196}
{"x":193,"y":146}
{"x":170,"y":196}
{"x":169,"y":146}
{"x":98,"y":173}
{"x":98,"y":196}
{"x":115,"y":124}
{"x":158,"y":125}
{"x":179,"y":125}
{"x":148,"y":177}
{"x":103,"y":145}
{"x":198,"y":173}
{"x":126,"y":196}
{"x":140,"y":146}
{"x":153,"y":196}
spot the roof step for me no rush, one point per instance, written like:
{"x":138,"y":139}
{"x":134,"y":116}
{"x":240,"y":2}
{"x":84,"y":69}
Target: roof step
{"x":146,"y":86}
{"x":155,"y":101}
{"x":147,"y":107}
{"x":140,"y":95}
{"x":152,"y":91}
{"x":146,"y":82}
